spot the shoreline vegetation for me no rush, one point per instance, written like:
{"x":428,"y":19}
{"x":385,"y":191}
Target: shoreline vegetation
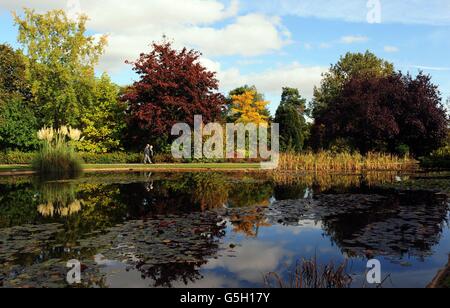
{"x":289,"y":165}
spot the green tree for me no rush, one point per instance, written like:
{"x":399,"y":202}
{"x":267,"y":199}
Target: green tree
{"x":104,"y":123}
{"x":13,"y":74}
{"x":292,"y":97}
{"x":290,"y":117}
{"x":349,"y":66}
{"x":61,"y":62}
{"x":18,"y":127}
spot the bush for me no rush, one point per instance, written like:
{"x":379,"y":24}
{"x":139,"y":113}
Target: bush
{"x":112,"y":158}
{"x":16,"y":158}
{"x":57,"y":158}
{"x":439,"y":159}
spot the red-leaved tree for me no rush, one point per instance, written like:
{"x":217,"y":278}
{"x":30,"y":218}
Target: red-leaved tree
{"x":385,"y":114}
{"x":173,"y":87}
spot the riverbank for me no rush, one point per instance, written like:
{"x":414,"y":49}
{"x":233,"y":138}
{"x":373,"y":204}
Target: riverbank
{"x":10,"y":170}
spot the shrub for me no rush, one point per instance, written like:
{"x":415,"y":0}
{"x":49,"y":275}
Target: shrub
{"x":57,"y":158}
{"x":112,"y":158}
{"x":439,"y":159}
{"x":16,"y":158}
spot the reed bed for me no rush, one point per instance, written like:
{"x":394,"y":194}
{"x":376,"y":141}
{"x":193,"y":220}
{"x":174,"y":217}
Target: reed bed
{"x":343,"y":162}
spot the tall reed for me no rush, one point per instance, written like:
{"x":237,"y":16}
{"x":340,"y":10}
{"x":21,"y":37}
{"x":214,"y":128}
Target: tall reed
{"x":343,"y":162}
{"x":57,"y":158}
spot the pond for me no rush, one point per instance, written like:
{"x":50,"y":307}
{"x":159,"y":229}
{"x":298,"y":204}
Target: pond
{"x":220,"y":230}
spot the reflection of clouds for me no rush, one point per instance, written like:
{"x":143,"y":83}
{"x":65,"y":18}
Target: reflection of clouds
{"x":119,"y":275}
{"x":252,"y":260}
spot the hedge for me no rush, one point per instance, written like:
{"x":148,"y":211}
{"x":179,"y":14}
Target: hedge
{"x":16,"y":158}
{"x":20,"y":158}
{"x":440,"y":159}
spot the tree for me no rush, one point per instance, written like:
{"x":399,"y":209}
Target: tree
{"x":173,"y":88}
{"x":291,"y":96}
{"x":248,"y":109}
{"x":18,"y":126}
{"x":385,"y":114}
{"x":290,"y":117}
{"x":13,"y":74}
{"x":61,"y":61}
{"x":104,"y":123}
{"x":349,"y":66}
{"x":229,"y":116}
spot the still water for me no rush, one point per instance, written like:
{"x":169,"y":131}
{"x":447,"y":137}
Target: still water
{"x":217,"y":230}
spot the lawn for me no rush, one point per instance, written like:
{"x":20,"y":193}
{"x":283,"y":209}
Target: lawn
{"x":138,"y":167}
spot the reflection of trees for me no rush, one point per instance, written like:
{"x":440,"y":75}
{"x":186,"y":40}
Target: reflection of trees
{"x":249,"y":194}
{"x":402,"y":224}
{"x":192,"y":192}
{"x":321,"y":182}
{"x":168,"y":249}
{"x":249,"y":222}
{"x":385,"y":222}
{"x":17,"y":205}
{"x":166,"y":274}
{"x":210,"y":190}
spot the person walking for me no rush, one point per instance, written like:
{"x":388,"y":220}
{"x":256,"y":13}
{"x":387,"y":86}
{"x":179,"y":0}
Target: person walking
{"x":148,"y":153}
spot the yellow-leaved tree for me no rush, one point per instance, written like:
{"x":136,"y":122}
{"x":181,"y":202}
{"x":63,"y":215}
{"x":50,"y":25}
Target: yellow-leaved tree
{"x":248,"y":109}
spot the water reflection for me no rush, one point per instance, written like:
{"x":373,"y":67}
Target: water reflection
{"x":186,"y":229}
{"x":58,"y":198}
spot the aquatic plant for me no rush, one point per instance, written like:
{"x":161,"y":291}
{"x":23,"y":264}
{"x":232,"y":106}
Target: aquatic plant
{"x":57,"y":158}
{"x":308,"y":274}
{"x":343,"y":162}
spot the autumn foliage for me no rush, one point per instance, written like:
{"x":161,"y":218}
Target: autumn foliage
{"x":172,"y":88}
{"x":248,"y":109}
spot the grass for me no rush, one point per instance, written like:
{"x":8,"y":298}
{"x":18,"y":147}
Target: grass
{"x":14,"y":167}
{"x":174,"y":166}
{"x":99,"y":167}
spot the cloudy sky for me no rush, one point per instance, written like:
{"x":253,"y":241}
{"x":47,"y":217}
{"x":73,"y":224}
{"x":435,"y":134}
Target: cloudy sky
{"x":267,"y":43}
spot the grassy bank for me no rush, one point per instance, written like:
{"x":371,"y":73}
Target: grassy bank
{"x":289,"y":163}
{"x":6,"y":169}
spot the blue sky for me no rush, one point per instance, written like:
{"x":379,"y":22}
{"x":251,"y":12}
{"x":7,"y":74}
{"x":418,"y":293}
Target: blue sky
{"x":265,"y":42}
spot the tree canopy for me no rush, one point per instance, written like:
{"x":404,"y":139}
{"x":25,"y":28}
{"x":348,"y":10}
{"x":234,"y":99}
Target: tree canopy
{"x":104,"y":124}
{"x":61,"y":64}
{"x":13,"y":74}
{"x":349,"y":66}
{"x":249,"y":109}
{"x":290,"y":117}
{"x":385,"y":113}
{"x":173,"y":87}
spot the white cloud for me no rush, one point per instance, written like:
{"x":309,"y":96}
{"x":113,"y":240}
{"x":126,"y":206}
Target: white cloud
{"x":391,"y":49}
{"x":132,"y":26}
{"x":351,"y":39}
{"x":431,"y":68}
{"x":431,"y":12}
{"x":273,"y":80}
